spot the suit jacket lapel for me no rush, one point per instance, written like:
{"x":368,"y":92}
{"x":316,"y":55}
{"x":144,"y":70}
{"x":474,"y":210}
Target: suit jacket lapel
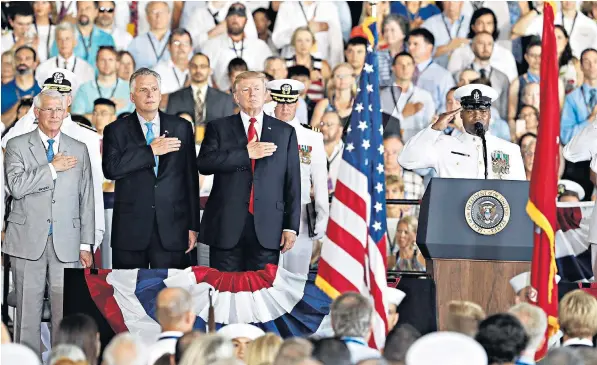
{"x":37,"y":148}
{"x":209,"y":100}
{"x":135,"y":129}
{"x":188,"y":98}
{"x":238,"y":129}
{"x":266,"y":136}
{"x":166,"y":128}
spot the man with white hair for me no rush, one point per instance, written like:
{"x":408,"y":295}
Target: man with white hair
{"x":66,"y":41}
{"x":352,"y":316}
{"x":64,"y":81}
{"x":446,"y":348}
{"x":534,"y":321}
{"x":125,"y":349}
{"x":17,"y":354}
{"x":51,"y":225}
{"x":174,"y":312}
{"x":67,"y":352}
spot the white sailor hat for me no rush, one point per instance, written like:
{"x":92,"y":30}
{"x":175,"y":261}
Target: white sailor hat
{"x":475,"y":96}
{"x":394,"y":296}
{"x":60,"y":79}
{"x":285,"y":91}
{"x":238,"y":330}
{"x":523,"y":280}
{"x":569,"y":185}
{"x":15,"y":353}
{"x":447,"y":348}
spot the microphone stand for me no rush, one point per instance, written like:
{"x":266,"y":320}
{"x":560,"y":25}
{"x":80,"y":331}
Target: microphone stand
{"x":480,"y":130}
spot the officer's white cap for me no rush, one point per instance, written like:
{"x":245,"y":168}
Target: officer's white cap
{"x":467,"y":91}
{"x":238,"y":330}
{"x":446,"y":348}
{"x":285,"y":90}
{"x":68,"y":75}
{"x":394,"y":296}
{"x":571,"y":186}
{"x":523,"y":280}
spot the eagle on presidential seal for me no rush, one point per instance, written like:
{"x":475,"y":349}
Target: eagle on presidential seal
{"x":487,"y":212}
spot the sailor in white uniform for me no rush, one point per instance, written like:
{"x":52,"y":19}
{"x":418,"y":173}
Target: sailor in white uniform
{"x":65,"y":81}
{"x":394,"y":297}
{"x":460,"y":155}
{"x":583,"y":147}
{"x":314,"y":213}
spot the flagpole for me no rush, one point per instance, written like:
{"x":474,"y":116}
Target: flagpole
{"x":373,"y":8}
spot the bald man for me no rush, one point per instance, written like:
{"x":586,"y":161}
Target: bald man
{"x":174,"y":312}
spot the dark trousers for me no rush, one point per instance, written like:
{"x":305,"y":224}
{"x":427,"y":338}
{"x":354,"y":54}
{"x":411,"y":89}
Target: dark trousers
{"x":154,"y":256}
{"x":247,"y":255}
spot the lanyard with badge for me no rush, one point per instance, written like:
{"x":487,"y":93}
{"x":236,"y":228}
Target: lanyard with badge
{"x":305,"y":14}
{"x":448,"y":28}
{"x":47,"y":40}
{"x":178,"y":79}
{"x":214,"y":15}
{"x":66,"y":61}
{"x":87,"y":47}
{"x":573,"y":24}
{"x":100,"y":93}
{"x":394,"y":96}
{"x":233,"y":47}
{"x":155,"y":52}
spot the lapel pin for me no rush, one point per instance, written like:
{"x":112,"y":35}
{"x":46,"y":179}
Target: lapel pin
{"x":269,"y":128}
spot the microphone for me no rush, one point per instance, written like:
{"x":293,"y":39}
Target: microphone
{"x":480,"y":131}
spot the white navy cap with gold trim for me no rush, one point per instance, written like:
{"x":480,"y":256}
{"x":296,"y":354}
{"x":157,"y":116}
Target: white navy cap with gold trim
{"x":60,"y":79}
{"x":394,"y":296}
{"x":285,"y":91}
{"x":446,"y":348}
{"x":475,"y":96}
{"x":523,"y":280}
{"x":238,"y":330}
{"x":569,"y":185}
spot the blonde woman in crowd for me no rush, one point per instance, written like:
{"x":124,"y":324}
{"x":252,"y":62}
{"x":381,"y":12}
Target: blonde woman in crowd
{"x":408,"y":257}
{"x":341,"y":94}
{"x":578,"y":318}
{"x":303,"y":42}
{"x":8,"y":67}
{"x":464,"y":317}
{"x":263,"y":350}
{"x":207,"y":349}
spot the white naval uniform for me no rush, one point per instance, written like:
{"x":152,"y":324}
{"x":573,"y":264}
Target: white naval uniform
{"x":583,"y":147}
{"x":92,"y":141}
{"x":313,"y":173}
{"x":461,"y":156}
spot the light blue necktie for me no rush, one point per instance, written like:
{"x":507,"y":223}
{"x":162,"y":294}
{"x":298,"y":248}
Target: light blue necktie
{"x":592,"y":99}
{"x":149,"y":137}
{"x":50,"y":157}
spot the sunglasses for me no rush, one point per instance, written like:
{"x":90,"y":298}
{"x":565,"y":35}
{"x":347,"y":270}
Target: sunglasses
{"x":106,"y":10}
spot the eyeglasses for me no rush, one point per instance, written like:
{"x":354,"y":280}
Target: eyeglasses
{"x":51,"y":111}
{"x":179,"y":43}
{"x":322,"y":124}
{"x":106,"y":10}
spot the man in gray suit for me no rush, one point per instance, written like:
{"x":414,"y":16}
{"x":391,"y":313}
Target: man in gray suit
{"x":204,"y":103}
{"x":49,"y":176}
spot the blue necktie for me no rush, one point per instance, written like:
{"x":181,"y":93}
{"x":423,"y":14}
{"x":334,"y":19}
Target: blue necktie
{"x":149,"y":137}
{"x":592,"y":99}
{"x":50,"y":157}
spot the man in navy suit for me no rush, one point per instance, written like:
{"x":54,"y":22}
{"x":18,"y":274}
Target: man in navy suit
{"x":253,"y":211}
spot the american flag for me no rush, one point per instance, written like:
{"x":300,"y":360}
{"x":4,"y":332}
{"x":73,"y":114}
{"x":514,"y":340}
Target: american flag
{"x":353,"y":255}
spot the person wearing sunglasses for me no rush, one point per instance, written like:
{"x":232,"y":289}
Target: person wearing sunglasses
{"x":105,"y":22}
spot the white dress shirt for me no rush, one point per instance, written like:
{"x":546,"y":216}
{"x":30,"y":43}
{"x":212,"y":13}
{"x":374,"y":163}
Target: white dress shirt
{"x":81,"y":68}
{"x":155,"y":127}
{"x":173,"y":79}
{"x":578,"y":341}
{"x":221,"y":50}
{"x":121,"y":37}
{"x":501,"y":59}
{"x":444,"y":31}
{"x":581,"y":36}
{"x":55,"y":148}
{"x":461,"y":156}
{"x":46,"y":35}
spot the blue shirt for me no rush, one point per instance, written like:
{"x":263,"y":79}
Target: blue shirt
{"x":444,"y":31}
{"x":90,"y":91}
{"x":12,"y":94}
{"x":148,"y":51}
{"x":575,"y":112}
{"x":424,"y":13}
{"x":87,"y":47}
{"x":437,"y":80}
{"x":498,"y":127}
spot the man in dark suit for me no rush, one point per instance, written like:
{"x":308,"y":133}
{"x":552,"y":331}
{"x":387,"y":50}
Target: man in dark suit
{"x":203,"y":102}
{"x":254,"y":209}
{"x":151,"y":156}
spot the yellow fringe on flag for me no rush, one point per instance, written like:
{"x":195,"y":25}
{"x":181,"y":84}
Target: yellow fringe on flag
{"x":326,"y":287}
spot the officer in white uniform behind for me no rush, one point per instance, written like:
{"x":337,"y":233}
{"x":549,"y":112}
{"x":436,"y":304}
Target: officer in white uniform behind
{"x":460,"y":155}
{"x":314,"y":215}
{"x":65,"y":81}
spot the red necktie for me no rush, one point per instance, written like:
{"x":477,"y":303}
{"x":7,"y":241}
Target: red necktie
{"x":252,"y":133}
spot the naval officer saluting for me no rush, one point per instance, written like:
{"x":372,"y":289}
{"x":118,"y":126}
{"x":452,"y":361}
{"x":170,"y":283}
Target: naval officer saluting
{"x":314,"y":214}
{"x":461,"y":155}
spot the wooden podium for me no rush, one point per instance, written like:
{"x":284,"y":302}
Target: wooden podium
{"x":467,"y":265}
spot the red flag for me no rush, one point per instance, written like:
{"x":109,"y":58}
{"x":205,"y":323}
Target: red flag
{"x":541,"y":206}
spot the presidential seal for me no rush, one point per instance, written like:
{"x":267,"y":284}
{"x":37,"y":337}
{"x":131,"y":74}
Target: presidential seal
{"x":487,"y":212}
